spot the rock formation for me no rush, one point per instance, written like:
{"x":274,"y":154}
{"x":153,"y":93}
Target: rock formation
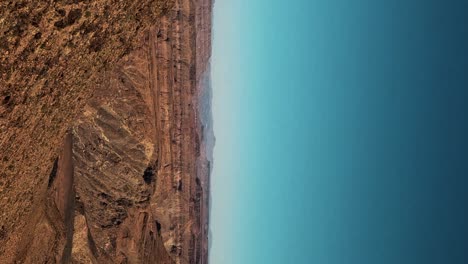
{"x":105,"y":131}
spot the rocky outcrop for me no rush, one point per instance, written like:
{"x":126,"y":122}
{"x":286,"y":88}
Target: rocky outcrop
{"x":53,"y":55}
{"x":130,"y":183}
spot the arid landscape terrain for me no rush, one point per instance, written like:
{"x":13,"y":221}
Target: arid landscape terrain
{"x":106,"y":136}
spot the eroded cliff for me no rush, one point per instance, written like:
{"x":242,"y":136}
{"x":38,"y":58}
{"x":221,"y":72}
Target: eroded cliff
{"x":103,"y":155}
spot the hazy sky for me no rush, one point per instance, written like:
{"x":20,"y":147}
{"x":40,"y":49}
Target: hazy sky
{"x":341,"y":132}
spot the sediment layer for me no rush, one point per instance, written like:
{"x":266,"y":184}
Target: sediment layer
{"x":130,"y":181}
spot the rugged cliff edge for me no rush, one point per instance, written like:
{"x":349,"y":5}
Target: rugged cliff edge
{"x":105,"y":131}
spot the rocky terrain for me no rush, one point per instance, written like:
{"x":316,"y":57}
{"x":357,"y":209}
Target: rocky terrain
{"x":105,"y":146}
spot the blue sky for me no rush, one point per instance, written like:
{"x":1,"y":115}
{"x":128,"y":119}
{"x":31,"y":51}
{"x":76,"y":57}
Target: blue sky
{"x":340,"y":132}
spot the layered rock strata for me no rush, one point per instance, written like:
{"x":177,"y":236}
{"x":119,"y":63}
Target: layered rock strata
{"x":130,"y":181}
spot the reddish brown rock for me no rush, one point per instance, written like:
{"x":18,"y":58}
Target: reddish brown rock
{"x":131,"y":184}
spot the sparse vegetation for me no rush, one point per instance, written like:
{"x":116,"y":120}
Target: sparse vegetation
{"x":52,"y":54}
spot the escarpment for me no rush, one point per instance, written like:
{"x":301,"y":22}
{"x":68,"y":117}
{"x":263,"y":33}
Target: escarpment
{"x":104,"y":152}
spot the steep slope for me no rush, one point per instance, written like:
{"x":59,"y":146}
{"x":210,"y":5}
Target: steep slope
{"x":53,"y":55}
{"x":131,"y":183}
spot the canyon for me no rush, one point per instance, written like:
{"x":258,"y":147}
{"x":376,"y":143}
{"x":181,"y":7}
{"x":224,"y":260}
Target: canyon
{"x":106,"y":131}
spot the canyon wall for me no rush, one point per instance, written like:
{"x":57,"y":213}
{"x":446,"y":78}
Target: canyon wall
{"x":123,"y":176}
